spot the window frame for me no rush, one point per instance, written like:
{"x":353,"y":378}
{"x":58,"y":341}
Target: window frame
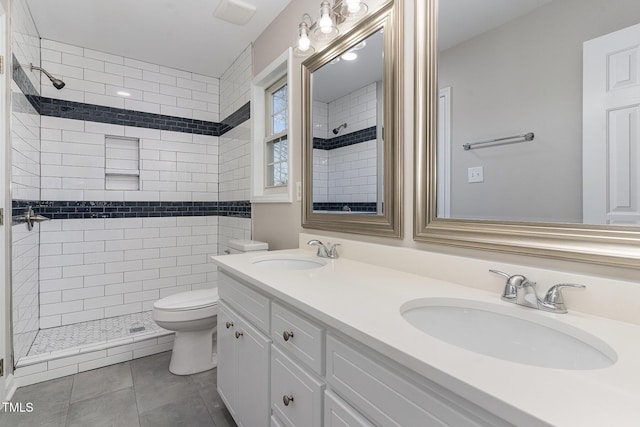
{"x":270,"y":136}
{"x":279,"y":71}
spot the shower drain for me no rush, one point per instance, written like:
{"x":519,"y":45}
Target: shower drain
{"x":136,"y":329}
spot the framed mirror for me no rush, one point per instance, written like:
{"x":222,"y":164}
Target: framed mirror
{"x":352,"y":121}
{"x":528,"y":127}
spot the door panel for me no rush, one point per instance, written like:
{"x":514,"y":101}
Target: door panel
{"x":611,"y":128}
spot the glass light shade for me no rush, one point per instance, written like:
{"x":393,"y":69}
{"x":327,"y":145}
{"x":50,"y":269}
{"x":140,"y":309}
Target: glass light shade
{"x":325,"y":23}
{"x":353,"y":6}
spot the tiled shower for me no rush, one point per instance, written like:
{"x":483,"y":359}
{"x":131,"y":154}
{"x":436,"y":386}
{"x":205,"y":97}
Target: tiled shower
{"x":143,"y":171}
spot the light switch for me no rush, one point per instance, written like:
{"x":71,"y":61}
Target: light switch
{"x":476,"y":174}
{"x":298,"y":191}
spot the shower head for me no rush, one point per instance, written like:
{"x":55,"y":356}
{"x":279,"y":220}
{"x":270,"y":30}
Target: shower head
{"x":57,"y":83}
{"x":336,"y":130}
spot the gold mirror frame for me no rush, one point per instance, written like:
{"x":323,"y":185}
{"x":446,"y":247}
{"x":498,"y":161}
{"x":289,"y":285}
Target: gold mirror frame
{"x":388,"y":16}
{"x":596,"y":244}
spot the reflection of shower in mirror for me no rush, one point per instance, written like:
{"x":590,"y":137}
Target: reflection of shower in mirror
{"x":336,"y":130}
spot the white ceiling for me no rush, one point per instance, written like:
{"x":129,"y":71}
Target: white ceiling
{"x":333,"y":81}
{"x":181,"y":34}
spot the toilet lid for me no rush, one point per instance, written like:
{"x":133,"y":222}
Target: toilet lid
{"x":188,"y":300}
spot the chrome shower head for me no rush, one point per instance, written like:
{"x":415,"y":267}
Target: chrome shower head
{"x":57,"y":83}
{"x":336,"y":130}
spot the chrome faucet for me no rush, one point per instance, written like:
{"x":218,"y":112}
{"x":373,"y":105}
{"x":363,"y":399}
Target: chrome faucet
{"x":520,"y":290}
{"x":325,"y":251}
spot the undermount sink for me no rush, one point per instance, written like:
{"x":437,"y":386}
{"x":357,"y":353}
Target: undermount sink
{"x":509,"y":333}
{"x":290,"y":262}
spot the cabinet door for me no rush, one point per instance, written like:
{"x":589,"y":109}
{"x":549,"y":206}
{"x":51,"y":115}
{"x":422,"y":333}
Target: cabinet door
{"x":338,"y":413}
{"x":253,"y":375}
{"x":296,"y":394}
{"x":227,"y":359}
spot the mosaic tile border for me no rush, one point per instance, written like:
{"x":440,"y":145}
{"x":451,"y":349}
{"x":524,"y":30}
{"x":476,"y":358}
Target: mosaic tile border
{"x":71,"y":209}
{"x":360,"y":207}
{"x":345,"y":140}
{"x":120,"y":116}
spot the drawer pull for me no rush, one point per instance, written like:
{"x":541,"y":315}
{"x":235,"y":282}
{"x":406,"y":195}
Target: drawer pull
{"x":239,"y":334}
{"x":228,"y":324}
{"x":286,"y":335}
{"x":287,"y":399}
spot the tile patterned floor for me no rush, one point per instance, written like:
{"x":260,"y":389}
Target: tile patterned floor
{"x":141,"y":392}
{"x":93,"y":332}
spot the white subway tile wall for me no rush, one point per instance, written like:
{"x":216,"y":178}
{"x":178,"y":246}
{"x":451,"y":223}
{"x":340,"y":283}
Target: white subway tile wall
{"x":235,"y":84}
{"x":358,"y":109}
{"x":174,"y":166}
{"x":97,"y":268}
{"x":346,"y":174}
{"x":25,"y":40}
{"x":100,"y":268}
{"x":96,"y":78}
{"x":47,"y":367}
{"x":25,"y":182}
{"x":235,"y":146}
{"x":352,"y":173}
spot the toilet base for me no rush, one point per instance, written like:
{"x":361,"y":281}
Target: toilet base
{"x":193,"y":352}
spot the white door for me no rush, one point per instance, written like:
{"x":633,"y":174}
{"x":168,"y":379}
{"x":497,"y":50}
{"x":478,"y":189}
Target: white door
{"x":443,"y":152}
{"x":611,"y":128}
{"x":5,"y":206}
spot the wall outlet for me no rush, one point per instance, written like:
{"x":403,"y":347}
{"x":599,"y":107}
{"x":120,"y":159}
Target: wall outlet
{"x":298,"y":191}
{"x":475,"y":174}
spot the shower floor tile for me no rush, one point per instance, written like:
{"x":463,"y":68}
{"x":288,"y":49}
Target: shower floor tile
{"x":93,"y":332}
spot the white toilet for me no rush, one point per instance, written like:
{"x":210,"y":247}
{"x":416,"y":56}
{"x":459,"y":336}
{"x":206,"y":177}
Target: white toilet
{"x":192,"y":315}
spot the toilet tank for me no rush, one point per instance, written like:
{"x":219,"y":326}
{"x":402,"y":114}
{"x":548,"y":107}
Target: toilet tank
{"x":238,"y":246}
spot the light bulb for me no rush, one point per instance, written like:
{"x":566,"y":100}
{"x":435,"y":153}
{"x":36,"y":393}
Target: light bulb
{"x":325,"y":22}
{"x":304,"y":43}
{"x":353,"y":6}
{"x":303,"y":39}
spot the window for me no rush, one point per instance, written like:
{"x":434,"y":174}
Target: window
{"x":272,"y":146}
{"x":276,"y":141}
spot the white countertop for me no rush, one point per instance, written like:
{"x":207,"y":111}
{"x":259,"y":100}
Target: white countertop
{"x":363,"y":301}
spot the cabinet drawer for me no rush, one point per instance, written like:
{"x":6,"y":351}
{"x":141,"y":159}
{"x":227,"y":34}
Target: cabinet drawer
{"x":391,"y":399}
{"x":250,"y":304}
{"x":290,"y":381}
{"x":338,"y":413}
{"x":299,"y":336}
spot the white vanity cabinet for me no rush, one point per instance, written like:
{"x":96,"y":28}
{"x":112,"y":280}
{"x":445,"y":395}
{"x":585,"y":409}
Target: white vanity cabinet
{"x":243,"y":357}
{"x":310,"y":375}
{"x":390,"y":395}
{"x":297,"y":358}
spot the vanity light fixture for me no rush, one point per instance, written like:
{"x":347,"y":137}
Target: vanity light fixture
{"x":325,"y":27}
{"x":123,"y":93}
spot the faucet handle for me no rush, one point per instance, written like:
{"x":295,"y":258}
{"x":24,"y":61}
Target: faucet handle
{"x":502,"y":273}
{"x":509,"y":293}
{"x":322,"y":249}
{"x":554,"y":300}
{"x":332,"y":252}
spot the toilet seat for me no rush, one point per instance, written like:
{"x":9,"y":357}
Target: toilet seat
{"x":187,"y":306}
{"x":191,"y":300}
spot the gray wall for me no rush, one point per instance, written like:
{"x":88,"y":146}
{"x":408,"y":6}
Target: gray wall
{"x":525,"y":76}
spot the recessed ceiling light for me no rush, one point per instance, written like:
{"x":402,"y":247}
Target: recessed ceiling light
{"x":349,"y":56}
{"x":123,"y":93}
